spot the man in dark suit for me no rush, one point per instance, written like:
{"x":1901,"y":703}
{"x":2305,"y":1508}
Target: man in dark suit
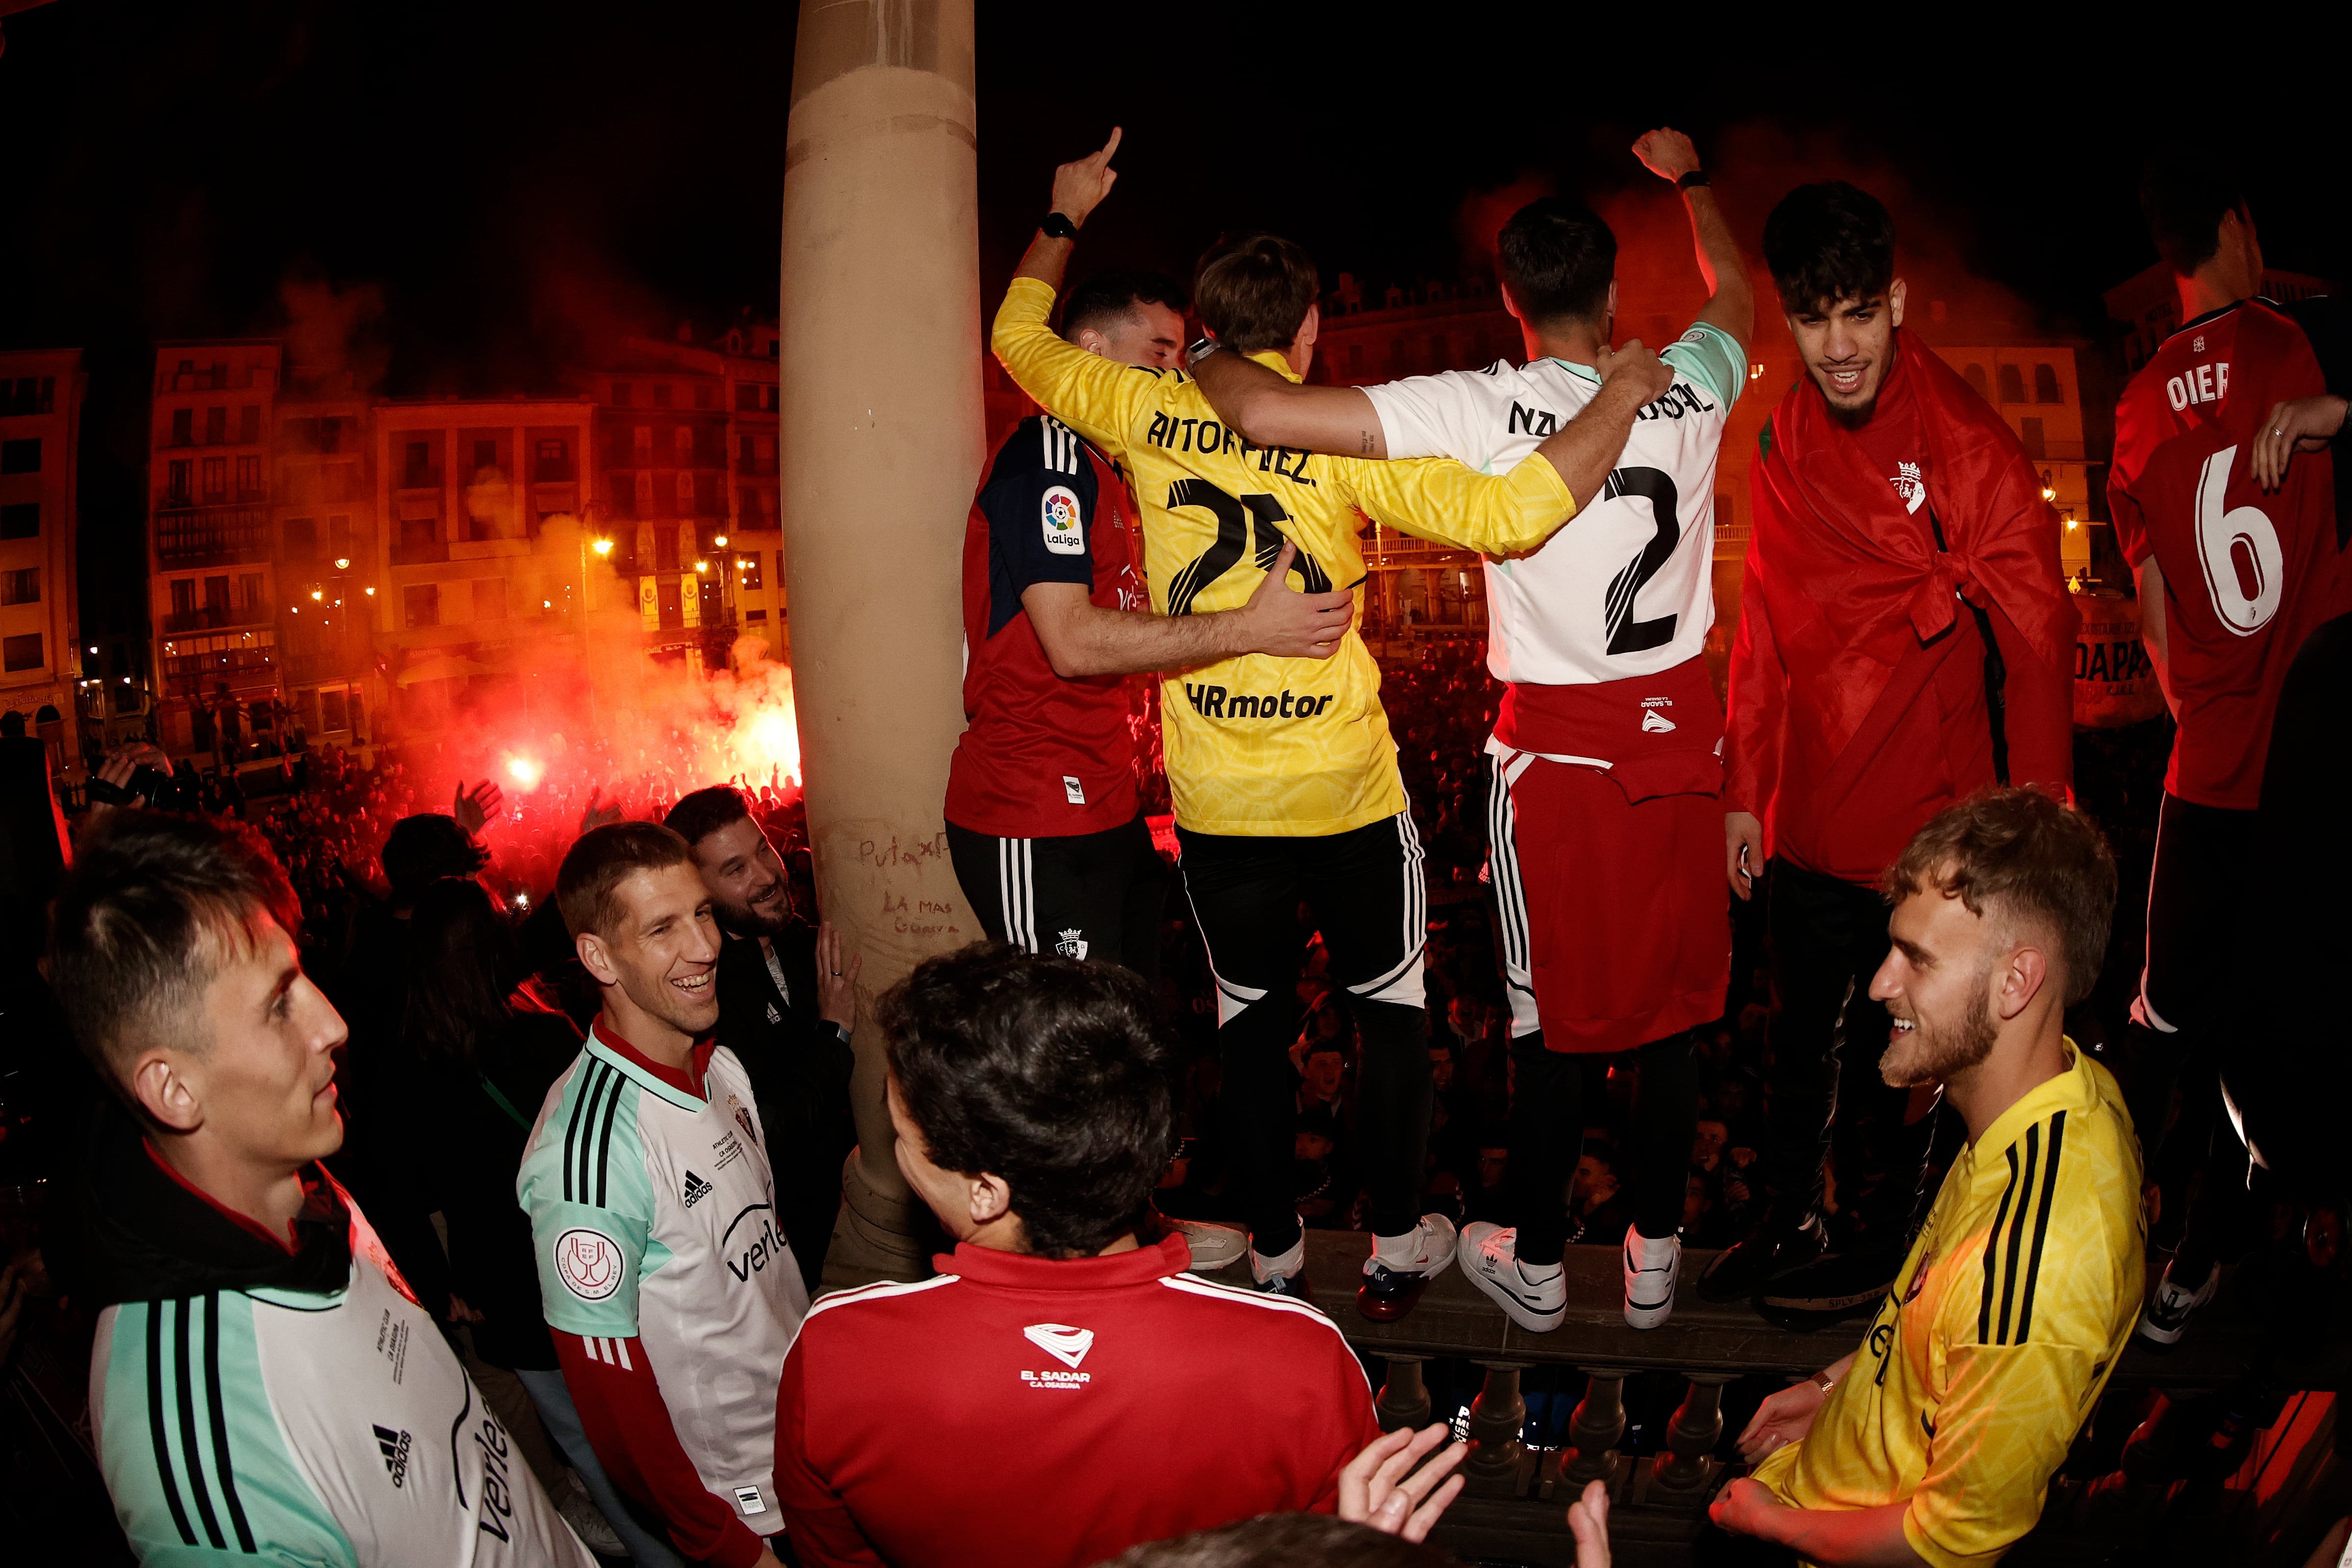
{"x":786,"y":1002}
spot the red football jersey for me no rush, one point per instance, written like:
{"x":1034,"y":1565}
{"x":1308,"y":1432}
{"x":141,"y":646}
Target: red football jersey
{"x":2247,"y":573}
{"x":1043,"y":756}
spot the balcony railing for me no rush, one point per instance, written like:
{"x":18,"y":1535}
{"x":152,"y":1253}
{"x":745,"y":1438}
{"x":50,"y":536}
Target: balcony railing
{"x":218,"y":617}
{"x":414,"y":479}
{"x":211,"y":535}
{"x":1514,"y":1504}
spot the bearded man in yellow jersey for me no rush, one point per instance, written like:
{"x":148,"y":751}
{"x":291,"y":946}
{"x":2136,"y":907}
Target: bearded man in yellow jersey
{"x":1935,"y":1441}
{"x":1285,"y":777}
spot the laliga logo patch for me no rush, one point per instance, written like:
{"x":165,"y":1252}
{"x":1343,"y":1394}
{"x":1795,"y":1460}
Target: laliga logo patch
{"x":589,"y":1264}
{"x":1063,"y":535}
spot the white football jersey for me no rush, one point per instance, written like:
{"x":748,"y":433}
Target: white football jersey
{"x":1625,"y":588}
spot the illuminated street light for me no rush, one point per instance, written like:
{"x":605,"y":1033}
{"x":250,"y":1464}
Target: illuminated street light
{"x":343,"y":562}
{"x":720,"y":541}
{"x":2048,"y":493}
{"x":702,"y":566}
{"x":602,"y":547}
{"x":316,"y":594}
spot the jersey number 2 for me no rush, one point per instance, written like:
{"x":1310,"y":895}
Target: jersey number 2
{"x":1234,"y":520}
{"x":2229,"y":540}
{"x":1627,"y":635}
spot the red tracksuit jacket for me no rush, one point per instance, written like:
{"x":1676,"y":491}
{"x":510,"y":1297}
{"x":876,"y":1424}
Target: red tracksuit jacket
{"x":1026,"y":1413}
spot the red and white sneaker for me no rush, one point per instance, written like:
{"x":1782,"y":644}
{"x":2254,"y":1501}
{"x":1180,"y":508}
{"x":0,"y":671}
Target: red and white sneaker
{"x":1402,"y":1266}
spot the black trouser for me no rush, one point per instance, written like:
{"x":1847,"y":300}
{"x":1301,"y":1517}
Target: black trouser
{"x":2181,"y":1030}
{"x":1548,"y":1138}
{"x":1366,"y":892}
{"x":1821,"y":1088}
{"x":1088,"y":895}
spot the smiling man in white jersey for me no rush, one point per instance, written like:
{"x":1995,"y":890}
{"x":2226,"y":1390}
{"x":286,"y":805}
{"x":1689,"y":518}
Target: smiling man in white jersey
{"x":1605,"y":757}
{"x":668,"y":1287}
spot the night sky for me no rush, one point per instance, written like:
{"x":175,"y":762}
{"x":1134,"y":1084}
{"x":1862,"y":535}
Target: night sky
{"x":501,"y":186}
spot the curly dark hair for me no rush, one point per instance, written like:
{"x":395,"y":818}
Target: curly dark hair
{"x":1827,"y":242}
{"x":1053,"y":1074}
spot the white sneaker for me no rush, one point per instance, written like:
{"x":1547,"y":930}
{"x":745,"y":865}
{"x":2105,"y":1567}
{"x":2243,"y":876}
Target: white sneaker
{"x":1490,"y":1260}
{"x":2167,"y":1316}
{"x":1283,"y":1275}
{"x":1402,"y":1266}
{"x":1214,"y":1246}
{"x":1651,"y":1269}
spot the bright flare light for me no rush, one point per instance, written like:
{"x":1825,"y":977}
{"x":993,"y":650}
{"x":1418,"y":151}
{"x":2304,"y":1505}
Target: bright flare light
{"x":602,"y":547}
{"x":526,"y":773}
{"x":720,"y":541}
{"x":343,"y":562}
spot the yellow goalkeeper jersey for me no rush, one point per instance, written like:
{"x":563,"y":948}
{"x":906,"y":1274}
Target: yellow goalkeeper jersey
{"x":1257,"y":745}
{"x":1985,"y":1360}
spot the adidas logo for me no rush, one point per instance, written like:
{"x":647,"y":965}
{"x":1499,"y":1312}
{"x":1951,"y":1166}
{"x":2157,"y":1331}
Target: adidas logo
{"x":696,"y":1189}
{"x":395,"y":1453}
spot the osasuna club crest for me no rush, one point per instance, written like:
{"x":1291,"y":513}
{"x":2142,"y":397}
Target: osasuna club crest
{"x":1072,"y":945}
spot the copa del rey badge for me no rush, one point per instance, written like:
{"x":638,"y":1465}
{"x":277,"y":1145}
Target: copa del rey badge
{"x":589,"y":1263}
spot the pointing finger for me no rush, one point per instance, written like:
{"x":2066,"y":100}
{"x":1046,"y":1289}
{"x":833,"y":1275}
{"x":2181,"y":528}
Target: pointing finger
{"x":1110,"y":146}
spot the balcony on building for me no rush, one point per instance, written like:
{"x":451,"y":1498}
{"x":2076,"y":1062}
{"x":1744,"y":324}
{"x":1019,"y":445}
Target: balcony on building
{"x":219,"y":619}
{"x":189,"y":535}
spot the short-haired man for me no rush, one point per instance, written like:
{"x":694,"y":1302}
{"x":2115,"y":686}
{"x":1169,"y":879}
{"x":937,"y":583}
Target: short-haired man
{"x":1061,"y":1389}
{"x":1605,"y":765}
{"x":1284,"y":775}
{"x":1906,"y":637}
{"x":668,"y":1287}
{"x":2020,"y":1292}
{"x":2240,"y":555}
{"x":1043,"y":824}
{"x":787,"y":1001}
{"x":263,"y":1383}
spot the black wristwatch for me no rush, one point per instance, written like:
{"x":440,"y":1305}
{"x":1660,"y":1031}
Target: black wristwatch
{"x":1694,"y":177}
{"x":1058,"y":226}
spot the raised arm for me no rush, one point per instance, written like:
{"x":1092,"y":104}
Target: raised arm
{"x":1731,"y":303}
{"x":1271,"y":410}
{"x":1091,"y":395}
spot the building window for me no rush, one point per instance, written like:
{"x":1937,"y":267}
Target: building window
{"x":682,"y":444}
{"x":706,"y":396}
{"x":417,"y":471}
{"x":21,"y":653}
{"x":2045,"y":383}
{"x":301,"y":538}
{"x":183,"y":596}
{"x":2013,"y":384}
{"x":20,"y":520}
{"x":1977,"y":383}
{"x":21,"y":457}
{"x":339,"y":538}
{"x":248,"y":478}
{"x":2030,"y":432}
{"x":665,"y":549}
{"x":216,"y":480}
{"x":420,"y":605}
{"x":248,"y":591}
{"x":554,"y":461}
{"x":176,"y":492}
{"x":486,"y":456}
{"x":330,"y":435}
{"x":747,"y":396}
{"x":621,"y":394}
{"x":217,"y":592}
{"x":184,"y":426}
{"x":661,"y":394}
{"x":642,"y":442}
{"x":21,"y":586}
{"x":248,"y":424}
{"x":215,"y":426}
{"x":644,"y":489}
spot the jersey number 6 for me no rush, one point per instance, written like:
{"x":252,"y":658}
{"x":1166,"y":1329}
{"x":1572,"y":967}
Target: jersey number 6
{"x":1627,"y":635}
{"x":1234,"y":520}
{"x":2233,"y":543}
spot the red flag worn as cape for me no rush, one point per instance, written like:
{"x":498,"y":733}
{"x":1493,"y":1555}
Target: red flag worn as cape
{"x":1852,"y":583}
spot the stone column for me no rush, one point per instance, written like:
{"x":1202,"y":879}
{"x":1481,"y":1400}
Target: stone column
{"x":880,"y":439}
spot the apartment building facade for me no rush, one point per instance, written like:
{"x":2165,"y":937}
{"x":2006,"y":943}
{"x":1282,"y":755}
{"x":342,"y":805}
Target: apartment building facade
{"x":40,"y":448}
